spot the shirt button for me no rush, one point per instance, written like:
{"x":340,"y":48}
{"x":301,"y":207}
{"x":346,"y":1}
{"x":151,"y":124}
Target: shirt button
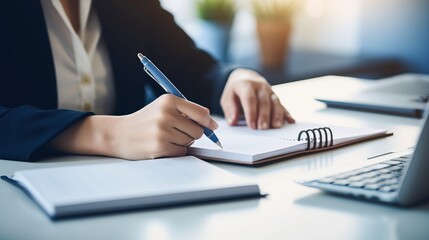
{"x":85,"y":80}
{"x":87,"y":107}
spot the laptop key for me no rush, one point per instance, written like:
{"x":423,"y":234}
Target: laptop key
{"x":396,"y":174}
{"x":372,"y":186}
{"x":326,"y":180}
{"x":371,"y":181}
{"x":385,"y":170}
{"x":356,"y":178}
{"x":389,"y":182}
{"x":357,"y":184}
{"x":407,"y":157}
{"x":341,"y":182}
{"x":386,"y":176}
{"x":395,"y":168}
{"x":402,"y":160}
{"x":376,"y":167}
{"x":371,"y":174}
{"x":393,"y":162}
{"x":388,"y":189}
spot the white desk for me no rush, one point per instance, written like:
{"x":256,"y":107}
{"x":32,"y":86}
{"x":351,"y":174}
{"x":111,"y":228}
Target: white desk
{"x":291,"y":211}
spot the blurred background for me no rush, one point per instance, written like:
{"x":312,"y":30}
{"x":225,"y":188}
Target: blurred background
{"x":290,"y":40}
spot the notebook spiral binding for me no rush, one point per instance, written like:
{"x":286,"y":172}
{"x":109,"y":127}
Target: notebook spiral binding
{"x":316,"y":137}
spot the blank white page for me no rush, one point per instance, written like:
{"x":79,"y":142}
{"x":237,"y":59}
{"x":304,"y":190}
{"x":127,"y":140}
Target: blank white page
{"x":62,"y":186}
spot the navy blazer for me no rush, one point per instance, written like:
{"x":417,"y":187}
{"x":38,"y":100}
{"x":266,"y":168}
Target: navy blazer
{"x":29,"y":117}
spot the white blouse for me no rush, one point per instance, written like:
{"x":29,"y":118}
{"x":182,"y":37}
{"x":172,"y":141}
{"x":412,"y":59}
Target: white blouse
{"x":82,"y":65}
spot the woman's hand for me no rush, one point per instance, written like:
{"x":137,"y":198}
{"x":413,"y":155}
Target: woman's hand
{"x":161,"y":129}
{"x":246,"y":92}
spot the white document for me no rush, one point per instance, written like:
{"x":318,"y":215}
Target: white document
{"x":75,"y":190}
{"x":244,"y":145}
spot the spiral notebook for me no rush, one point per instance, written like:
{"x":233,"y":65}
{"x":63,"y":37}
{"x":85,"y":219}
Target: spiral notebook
{"x":246,"y":146}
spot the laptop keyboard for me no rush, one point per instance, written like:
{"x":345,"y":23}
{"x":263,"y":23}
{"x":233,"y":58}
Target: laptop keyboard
{"x":384,"y":176}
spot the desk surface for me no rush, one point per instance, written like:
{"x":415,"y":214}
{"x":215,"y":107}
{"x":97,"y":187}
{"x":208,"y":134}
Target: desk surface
{"x":290,"y":211}
{"x":306,"y":64}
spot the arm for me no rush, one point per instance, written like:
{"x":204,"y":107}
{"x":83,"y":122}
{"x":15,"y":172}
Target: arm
{"x":158,"y":130}
{"x":26,"y":130}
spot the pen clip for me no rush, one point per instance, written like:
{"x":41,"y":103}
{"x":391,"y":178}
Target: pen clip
{"x":156,"y":80}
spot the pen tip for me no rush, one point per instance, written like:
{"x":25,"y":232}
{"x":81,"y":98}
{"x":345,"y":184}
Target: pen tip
{"x":140,"y":56}
{"x":220,"y":145}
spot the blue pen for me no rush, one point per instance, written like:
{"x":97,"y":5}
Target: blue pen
{"x":168,"y":86}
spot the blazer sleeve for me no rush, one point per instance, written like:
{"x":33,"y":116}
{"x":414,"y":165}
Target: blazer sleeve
{"x":25,"y":130}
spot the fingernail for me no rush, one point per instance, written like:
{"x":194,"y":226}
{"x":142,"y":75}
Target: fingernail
{"x":278,"y":123}
{"x":253,"y":125}
{"x":229,"y":119}
{"x":214,"y":125}
{"x":264,"y":125}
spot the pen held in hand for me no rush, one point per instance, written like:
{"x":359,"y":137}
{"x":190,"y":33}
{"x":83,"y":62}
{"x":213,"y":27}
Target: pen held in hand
{"x":168,"y":86}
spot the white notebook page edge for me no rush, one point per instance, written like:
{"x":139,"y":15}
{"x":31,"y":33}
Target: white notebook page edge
{"x":61,"y":186}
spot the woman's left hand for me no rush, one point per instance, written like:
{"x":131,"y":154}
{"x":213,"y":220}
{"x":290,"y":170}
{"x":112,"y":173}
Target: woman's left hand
{"x":247,"y":92}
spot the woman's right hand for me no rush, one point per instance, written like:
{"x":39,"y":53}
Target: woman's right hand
{"x":163,"y":128}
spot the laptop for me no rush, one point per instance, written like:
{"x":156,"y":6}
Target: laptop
{"x":401,"y":178}
{"x":405,"y":94}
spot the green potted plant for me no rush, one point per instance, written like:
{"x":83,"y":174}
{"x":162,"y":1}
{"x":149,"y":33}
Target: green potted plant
{"x":221,"y":11}
{"x":274,"y":24}
{"x":216,"y":21}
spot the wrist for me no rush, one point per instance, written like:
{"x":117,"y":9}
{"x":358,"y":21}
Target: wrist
{"x":100,"y":131}
{"x":245,"y":74}
{"x":94,"y":135}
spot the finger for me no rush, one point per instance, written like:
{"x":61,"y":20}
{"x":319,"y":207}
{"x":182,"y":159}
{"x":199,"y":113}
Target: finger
{"x":231,"y":107}
{"x":175,"y":150}
{"x":187,"y":126}
{"x":189,"y":143}
{"x":178,"y":137}
{"x":278,"y":113}
{"x":289,"y":117}
{"x":196,"y":112}
{"x":169,"y":144}
{"x":249,"y":103}
{"x":182,"y":138}
{"x":264,"y":108}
